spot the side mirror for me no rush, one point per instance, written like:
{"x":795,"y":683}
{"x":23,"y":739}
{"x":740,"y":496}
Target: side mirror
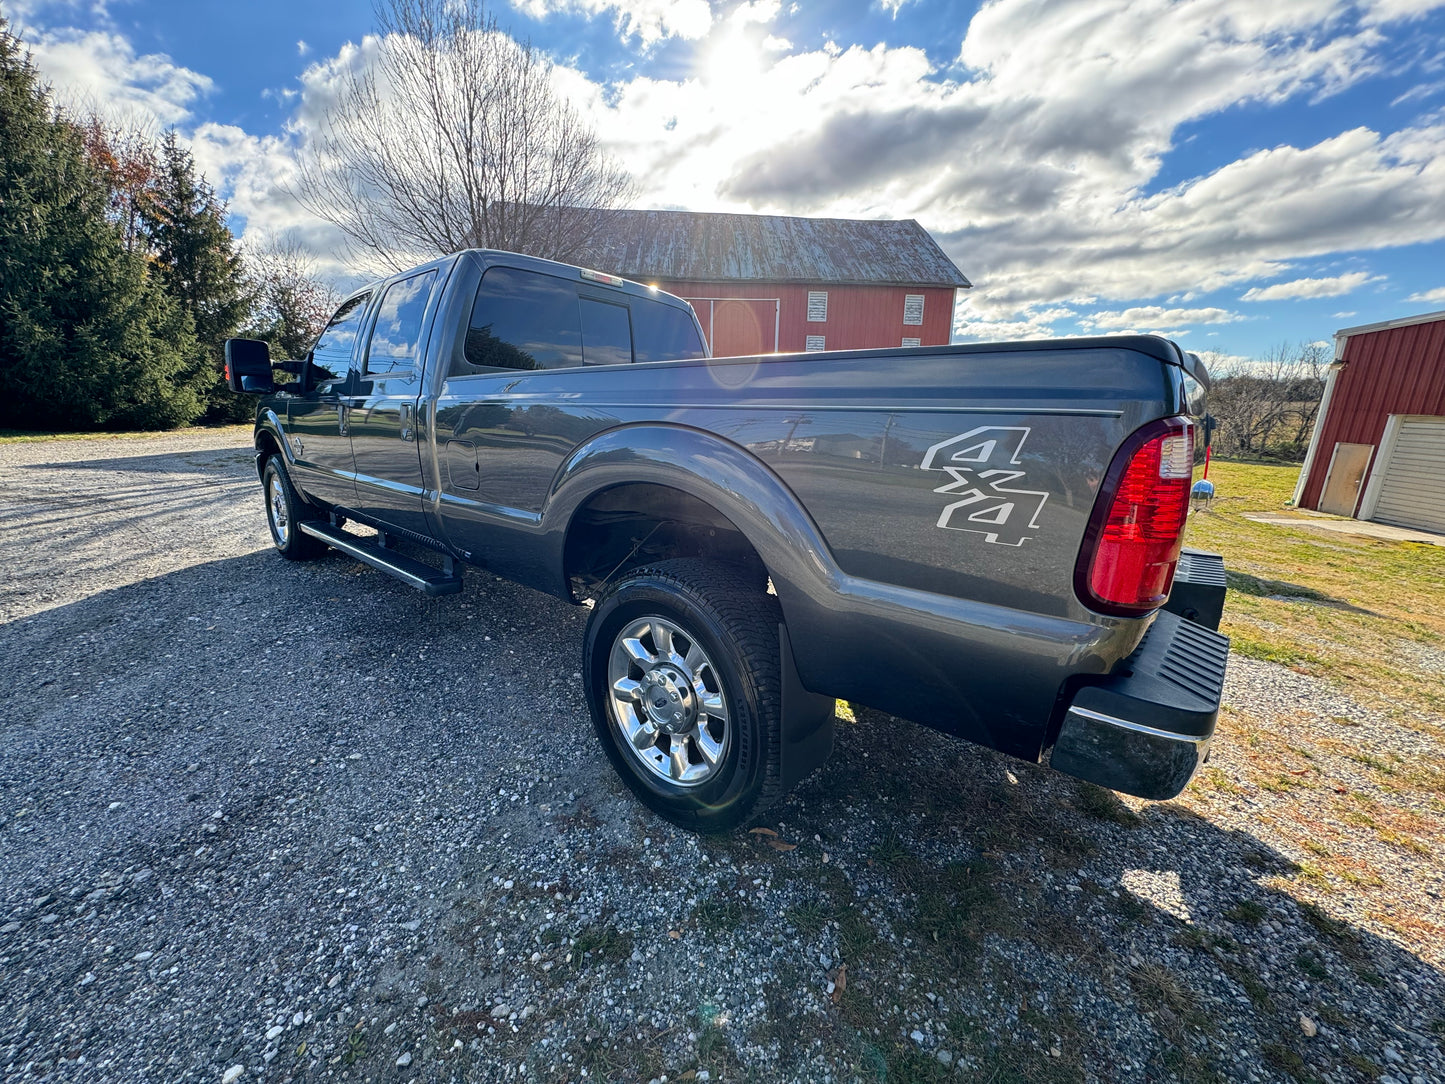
{"x":248,"y":367}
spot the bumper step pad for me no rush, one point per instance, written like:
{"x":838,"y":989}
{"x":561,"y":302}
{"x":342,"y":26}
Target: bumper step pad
{"x":1146,"y":729}
{"x":1199,"y":587}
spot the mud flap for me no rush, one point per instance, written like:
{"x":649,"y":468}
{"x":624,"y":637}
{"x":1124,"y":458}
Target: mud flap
{"x":807,"y":723}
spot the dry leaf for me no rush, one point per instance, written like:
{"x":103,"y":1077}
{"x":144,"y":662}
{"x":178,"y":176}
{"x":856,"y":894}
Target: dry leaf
{"x":674,"y":934}
{"x":840,"y":983}
{"x":1308,"y":1026}
{"x":762,"y":832}
{"x":779,"y":845}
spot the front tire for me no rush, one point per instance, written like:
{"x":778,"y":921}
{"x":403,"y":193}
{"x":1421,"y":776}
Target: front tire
{"x":682,"y":677}
{"x":285,"y":509}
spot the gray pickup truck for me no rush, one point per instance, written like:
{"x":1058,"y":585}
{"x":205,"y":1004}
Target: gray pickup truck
{"x":982,"y":538}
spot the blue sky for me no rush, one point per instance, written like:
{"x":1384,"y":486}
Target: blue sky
{"x":1236,"y":173}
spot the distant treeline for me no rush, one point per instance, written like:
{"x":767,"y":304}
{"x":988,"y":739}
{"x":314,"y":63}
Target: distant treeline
{"x":119,"y":278}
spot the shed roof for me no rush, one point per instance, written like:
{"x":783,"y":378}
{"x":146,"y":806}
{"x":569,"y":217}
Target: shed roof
{"x":1388,"y":325}
{"x":702,"y":247}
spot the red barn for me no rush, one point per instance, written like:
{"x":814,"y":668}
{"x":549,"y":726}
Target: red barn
{"x":1378,"y":450}
{"x":766,"y":283}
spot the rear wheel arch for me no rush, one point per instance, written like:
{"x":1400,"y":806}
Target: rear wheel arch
{"x":718,"y":483}
{"x":630,"y":524}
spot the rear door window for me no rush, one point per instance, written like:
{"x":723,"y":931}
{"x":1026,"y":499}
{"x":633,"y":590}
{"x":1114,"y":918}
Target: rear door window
{"x":396,"y":337}
{"x":606,"y":333}
{"x":521,"y":320}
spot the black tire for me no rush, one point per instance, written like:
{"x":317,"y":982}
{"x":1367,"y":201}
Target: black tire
{"x":285,"y":509}
{"x":736,"y":627}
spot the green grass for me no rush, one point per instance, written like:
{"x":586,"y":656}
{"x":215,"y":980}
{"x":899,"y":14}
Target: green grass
{"x":602,"y":943}
{"x":1246,"y":913}
{"x":1365,"y":598}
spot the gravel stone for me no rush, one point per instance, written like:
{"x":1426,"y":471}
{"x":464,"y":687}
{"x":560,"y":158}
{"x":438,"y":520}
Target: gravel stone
{"x":481,"y":853}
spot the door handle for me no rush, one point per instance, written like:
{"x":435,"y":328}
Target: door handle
{"x":407,"y":416}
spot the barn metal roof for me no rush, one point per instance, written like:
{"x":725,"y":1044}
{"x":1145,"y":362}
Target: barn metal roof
{"x":701,"y":247}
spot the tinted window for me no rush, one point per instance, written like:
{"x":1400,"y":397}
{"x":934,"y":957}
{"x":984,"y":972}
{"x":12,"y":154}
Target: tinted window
{"x":332,"y":351}
{"x":606,"y":333}
{"x":661,"y":332}
{"x":396,"y":338}
{"x":521,"y":320}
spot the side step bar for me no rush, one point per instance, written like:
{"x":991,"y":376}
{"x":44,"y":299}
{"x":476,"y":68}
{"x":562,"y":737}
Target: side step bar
{"x":424,"y":577}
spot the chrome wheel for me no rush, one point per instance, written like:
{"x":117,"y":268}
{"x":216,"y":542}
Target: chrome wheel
{"x":276,"y":505}
{"x":667,"y":702}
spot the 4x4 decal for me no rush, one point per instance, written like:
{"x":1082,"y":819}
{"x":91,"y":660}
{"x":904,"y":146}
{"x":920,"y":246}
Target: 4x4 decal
{"x":979,"y":463}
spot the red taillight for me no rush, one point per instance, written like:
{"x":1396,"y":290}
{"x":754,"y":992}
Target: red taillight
{"x":1127,"y":563}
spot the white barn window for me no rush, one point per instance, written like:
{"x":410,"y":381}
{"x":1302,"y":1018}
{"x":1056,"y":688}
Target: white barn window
{"x":818,"y":307}
{"x":815,"y":342}
{"x":913,"y":309}
{"x":912,"y":342}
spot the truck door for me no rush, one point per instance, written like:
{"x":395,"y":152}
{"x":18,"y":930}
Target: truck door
{"x":384,"y":424}
{"x":316,"y":421}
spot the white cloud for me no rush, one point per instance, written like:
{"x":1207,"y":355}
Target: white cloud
{"x":1156,"y":318}
{"x":100,"y":71}
{"x":1433,"y":297}
{"x":1034,"y":161}
{"x":1033,"y":168}
{"x":302,"y":49}
{"x":1299,"y":288}
{"x":1381,"y":11}
{"x":648,"y":20}
{"x":1342,"y":315}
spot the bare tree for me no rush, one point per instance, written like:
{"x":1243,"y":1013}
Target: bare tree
{"x":1267,"y":407}
{"x":292,"y":303}
{"x":455,"y":136}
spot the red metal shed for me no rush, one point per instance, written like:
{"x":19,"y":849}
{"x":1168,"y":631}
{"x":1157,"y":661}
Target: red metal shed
{"x":1378,"y":449}
{"x":765,"y":283}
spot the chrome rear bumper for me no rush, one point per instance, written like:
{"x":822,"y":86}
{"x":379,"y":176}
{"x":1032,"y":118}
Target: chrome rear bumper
{"x":1146,"y":729}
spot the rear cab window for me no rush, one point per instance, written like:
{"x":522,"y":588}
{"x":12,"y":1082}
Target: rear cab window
{"x":606,"y":333}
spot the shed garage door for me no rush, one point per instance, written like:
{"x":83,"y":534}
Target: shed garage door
{"x":1412,"y":493}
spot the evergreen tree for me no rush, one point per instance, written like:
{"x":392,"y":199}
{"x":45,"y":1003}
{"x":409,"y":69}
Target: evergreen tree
{"x":87,"y":337}
{"x":199,"y":263}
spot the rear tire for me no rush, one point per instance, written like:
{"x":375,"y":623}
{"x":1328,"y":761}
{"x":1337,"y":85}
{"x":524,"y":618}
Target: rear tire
{"x":285,"y":509}
{"x":681,"y":666}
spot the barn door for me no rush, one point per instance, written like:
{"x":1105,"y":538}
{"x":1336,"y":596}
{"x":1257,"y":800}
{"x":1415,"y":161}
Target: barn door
{"x":1410,"y":493}
{"x":738,"y":326}
{"x":1346,"y":473}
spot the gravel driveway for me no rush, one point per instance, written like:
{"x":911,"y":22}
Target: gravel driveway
{"x":261,"y":820}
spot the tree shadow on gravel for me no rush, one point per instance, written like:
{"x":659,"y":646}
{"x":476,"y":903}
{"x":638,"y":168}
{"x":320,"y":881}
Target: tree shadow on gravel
{"x":247,"y":782}
{"x":190,"y":461}
{"x":251,"y":789}
{"x":1072,"y":938}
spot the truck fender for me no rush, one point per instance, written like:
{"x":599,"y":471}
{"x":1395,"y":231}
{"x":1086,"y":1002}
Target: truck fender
{"x":726,"y":476}
{"x":268,"y":425}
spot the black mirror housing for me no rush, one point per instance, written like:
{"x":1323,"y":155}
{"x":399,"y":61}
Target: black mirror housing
{"x":248,"y":367}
